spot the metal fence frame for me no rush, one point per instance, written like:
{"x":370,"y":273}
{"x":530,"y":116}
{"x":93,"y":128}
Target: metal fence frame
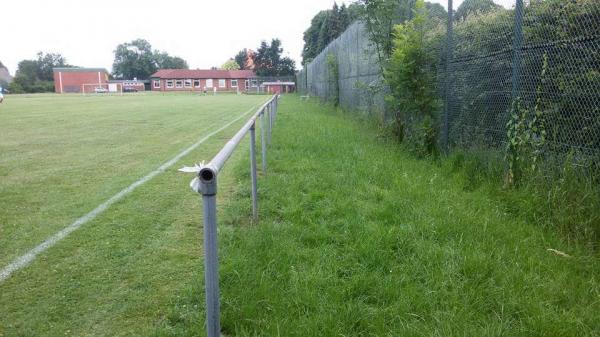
{"x":206,"y":185}
{"x":483,"y":65}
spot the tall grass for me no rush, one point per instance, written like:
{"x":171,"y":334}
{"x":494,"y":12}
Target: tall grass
{"x":357,"y":237}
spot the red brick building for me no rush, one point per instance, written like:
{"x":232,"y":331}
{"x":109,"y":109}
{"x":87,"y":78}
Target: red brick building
{"x":200,"y":80}
{"x":278,"y":87}
{"x":76,"y":80}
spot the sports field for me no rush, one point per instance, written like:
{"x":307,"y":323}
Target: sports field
{"x":63,"y":156}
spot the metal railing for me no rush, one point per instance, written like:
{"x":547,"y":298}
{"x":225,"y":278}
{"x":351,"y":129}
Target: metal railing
{"x":206,"y":184}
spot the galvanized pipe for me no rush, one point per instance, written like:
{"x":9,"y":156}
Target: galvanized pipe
{"x":208,"y":188}
{"x":253,"y":172}
{"x":270,"y":124}
{"x":263,"y":142}
{"x":207,"y":178}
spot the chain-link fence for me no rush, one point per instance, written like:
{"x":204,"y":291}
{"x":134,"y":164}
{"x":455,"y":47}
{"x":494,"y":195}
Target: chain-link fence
{"x":358,"y":84}
{"x":545,"y":53}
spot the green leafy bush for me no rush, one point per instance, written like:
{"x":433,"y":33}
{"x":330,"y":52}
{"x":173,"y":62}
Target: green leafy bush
{"x":410,"y":77}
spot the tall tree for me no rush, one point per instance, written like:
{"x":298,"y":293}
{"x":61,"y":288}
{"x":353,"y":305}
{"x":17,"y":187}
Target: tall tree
{"x":37,"y":75}
{"x":134,"y":60}
{"x":474,"y":7}
{"x":311,"y":38}
{"x":326,"y":26}
{"x":380,"y":17}
{"x":268,"y":60}
{"x":166,"y":61}
{"x":230,"y":64}
{"x":242,"y":58}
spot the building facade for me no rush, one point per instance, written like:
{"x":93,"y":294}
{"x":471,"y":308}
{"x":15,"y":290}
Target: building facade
{"x":203,"y":80}
{"x":278,"y":87}
{"x":78,"y":80}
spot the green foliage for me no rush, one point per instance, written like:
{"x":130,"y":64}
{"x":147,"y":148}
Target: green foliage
{"x":334,"y":77}
{"x":380,"y":16}
{"x":126,"y":266}
{"x":230,"y":64}
{"x":34,"y":76}
{"x":409,"y":76}
{"x":268,"y":60}
{"x":136,"y":59}
{"x":474,"y":7}
{"x":325,"y":27}
{"x":165,"y":61}
{"x":242,"y":58}
{"x":526,"y":135}
{"x":343,"y":251}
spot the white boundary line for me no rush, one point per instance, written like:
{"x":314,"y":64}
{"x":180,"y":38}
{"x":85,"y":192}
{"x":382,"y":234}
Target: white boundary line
{"x":28,"y":257}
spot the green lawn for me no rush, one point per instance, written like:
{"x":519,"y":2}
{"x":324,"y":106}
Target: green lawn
{"x":355,"y":238}
{"x":60,"y":157}
{"x":359,"y":238}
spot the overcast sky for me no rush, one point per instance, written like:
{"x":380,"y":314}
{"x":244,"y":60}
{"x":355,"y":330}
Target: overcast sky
{"x":204,"y":33}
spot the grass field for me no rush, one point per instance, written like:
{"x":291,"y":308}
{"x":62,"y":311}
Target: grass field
{"x":356,"y":237}
{"x":359,"y":238}
{"x":60,"y":157}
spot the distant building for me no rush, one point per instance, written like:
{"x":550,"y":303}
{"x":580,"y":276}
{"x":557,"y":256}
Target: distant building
{"x":278,"y":87}
{"x":200,"y":80}
{"x":78,"y":80}
{"x":130,"y":85}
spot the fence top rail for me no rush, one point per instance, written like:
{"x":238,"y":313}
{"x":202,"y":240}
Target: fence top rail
{"x":208,"y":172}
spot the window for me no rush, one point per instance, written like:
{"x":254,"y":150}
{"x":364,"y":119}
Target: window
{"x":179,"y":84}
{"x":197,"y":83}
{"x":188,"y":83}
{"x":254,"y":83}
{"x":246,"y":84}
{"x":209,"y":83}
{"x":234,"y":83}
{"x":221,"y":83}
{"x":169,"y":83}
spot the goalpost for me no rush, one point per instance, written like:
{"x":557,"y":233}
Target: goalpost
{"x":102,"y":88}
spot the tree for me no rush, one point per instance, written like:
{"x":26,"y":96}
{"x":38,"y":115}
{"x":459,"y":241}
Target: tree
{"x":268,"y":60}
{"x":245,"y":59}
{"x":326,"y":26}
{"x":165,"y":61}
{"x":380,"y":16}
{"x":311,"y":38}
{"x":411,"y":83}
{"x":37,"y":75}
{"x":134,"y":60}
{"x":474,"y":7}
{"x":230,"y":64}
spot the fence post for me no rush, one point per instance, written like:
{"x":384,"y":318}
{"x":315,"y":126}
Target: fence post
{"x":449,"y":52}
{"x":208,"y":189}
{"x":253,"y":171}
{"x":270,"y":116}
{"x":263,"y":142}
{"x":517,"y":43}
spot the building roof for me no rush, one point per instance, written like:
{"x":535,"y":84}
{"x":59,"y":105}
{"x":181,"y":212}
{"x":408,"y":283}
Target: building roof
{"x":200,"y":73}
{"x":80,"y":70}
{"x":278,"y":83}
{"x":129,"y":81}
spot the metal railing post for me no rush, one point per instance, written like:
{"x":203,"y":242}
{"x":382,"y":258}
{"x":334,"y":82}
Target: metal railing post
{"x":208,"y":189}
{"x":263,"y":142}
{"x":449,"y":52}
{"x":270,"y":123}
{"x":253,"y":171}
{"x":206,"y":184}
{"x":517,"y":44}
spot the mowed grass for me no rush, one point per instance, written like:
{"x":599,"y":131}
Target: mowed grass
{"x":358,"y":238}
{"x":60,"y":157}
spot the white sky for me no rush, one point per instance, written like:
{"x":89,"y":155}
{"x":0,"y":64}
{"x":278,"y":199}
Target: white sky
{"x":203,"y":32}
